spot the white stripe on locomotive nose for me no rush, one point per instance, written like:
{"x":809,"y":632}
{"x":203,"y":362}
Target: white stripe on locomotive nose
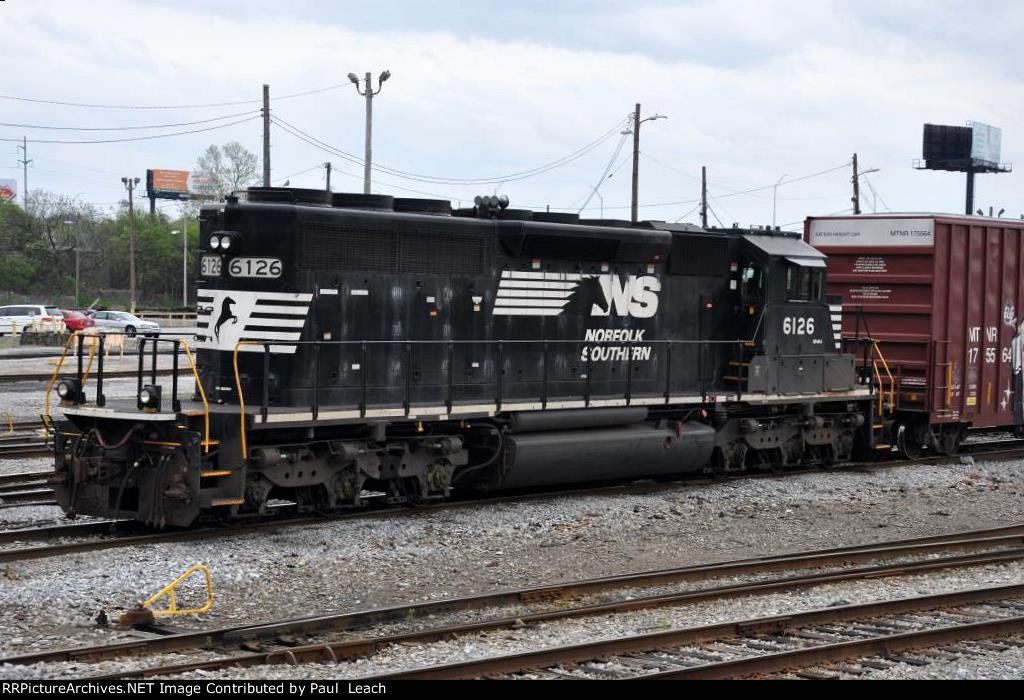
{"x":261,"y":296}
{"x":283,"y":310}
{"x":276,"y":322}
{"x":269,"y":335}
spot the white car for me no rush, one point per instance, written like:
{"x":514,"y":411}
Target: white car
{"x":34,"y":317}
{"x":124,"y":322}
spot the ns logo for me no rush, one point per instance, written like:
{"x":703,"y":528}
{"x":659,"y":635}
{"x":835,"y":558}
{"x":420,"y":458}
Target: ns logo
{"x":630,"y":296}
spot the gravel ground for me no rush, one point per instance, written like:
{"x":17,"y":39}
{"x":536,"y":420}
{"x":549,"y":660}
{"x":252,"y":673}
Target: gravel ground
{"x":358,"y":564}
{"x":24,"y":400}
{"x":993,"y":665}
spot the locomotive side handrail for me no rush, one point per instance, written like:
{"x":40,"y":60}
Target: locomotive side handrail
{"x":53,"y":380}
{"x":892,"y":381}
{"x":182,"y":343}
{"x":202,"y":392}
{"x":408,"y":344}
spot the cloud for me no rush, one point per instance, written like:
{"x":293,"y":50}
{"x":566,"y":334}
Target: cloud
{"x":752,"y":90}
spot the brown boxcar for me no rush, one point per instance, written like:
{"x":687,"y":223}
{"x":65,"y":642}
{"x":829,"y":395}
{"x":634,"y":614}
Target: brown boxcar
{"x":942,"y":296}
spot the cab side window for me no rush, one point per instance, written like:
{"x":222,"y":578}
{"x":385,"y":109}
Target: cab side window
{"x":803,"y":283}
{"x":752,"y":284}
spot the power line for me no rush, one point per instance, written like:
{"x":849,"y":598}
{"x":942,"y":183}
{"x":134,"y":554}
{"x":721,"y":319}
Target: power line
{"x":874,"y":191}
{"x":140,"y":138}
{"x":712,"y":210}
{"x":125,"y":128}
{"x":301,"y":172}
{"x":688,"y":213}
{"x":442,"y":180}
{"x":190,"y":106}
{"x":605,"y":175}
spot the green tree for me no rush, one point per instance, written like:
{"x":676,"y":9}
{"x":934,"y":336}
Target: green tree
{"x":224,"y":169}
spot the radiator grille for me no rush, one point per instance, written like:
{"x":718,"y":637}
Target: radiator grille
{"x":376,"y":249}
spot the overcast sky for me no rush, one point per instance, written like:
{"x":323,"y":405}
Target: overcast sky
{"x":753,"y":90}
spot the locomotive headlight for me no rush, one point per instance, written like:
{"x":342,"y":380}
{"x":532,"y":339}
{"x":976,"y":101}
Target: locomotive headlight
{"x":149,"y":398}
{"x":225,"y":242}
{"x":215,"y":242}
{"x":70,"y":391}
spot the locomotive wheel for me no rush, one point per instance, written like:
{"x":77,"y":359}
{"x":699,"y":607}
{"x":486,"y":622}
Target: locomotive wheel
{"x":908,"y":441}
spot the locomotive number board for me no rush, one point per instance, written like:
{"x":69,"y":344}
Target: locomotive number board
{"x":210,"y":266}
{"x":255,"y":267}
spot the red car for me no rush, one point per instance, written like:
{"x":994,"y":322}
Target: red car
{"x":76,"y":320}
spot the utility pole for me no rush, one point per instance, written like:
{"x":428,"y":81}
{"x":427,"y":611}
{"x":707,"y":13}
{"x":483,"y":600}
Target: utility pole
{"x":327,"y":167}
{"x":130,"y":183}
{"x":704,"y":196}
{"x":24,"y":160}
{"x":637,"y":121}
{"x":636,"y":162}
{"x":266,"y":135}
{"x":368,"y":92}
{"x":856,"y":187}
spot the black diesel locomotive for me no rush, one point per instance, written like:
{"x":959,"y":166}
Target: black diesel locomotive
{"x":360,"y":344}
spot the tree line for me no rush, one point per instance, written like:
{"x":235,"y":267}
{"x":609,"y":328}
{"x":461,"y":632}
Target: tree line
{"x":40,"y":242}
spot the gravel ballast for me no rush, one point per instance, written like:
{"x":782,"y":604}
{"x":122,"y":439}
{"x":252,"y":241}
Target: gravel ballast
{"x":356,"y":564}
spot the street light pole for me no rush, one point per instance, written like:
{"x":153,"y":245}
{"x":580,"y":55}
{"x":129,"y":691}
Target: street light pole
{"x":184,"y":259}
{"x":78,"y":243}
{"x":130,"y":183}
{"x":775,"y":192}
{"x":368,"y":92}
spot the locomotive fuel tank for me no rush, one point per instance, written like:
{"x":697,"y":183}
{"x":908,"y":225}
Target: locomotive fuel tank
{"x":565,"y":456}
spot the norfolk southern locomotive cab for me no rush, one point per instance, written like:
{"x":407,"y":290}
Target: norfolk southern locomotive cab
{"x":358,"y":344}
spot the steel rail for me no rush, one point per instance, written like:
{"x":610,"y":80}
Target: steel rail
{"x":362,"y":647}
{"x":546,"y":593}
{"x":551,"y":657}
{"x":7,"y":480}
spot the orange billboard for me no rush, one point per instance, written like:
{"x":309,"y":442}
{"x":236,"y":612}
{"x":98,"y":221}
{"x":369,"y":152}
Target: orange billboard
{"x":168,"y":181}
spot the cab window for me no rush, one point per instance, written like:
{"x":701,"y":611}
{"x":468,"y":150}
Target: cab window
{"x":752,"y":284}
{"x":803,"y":283}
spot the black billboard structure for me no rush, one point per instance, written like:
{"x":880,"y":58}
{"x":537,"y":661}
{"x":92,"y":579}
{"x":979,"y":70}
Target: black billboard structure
{"x":967,"y":149}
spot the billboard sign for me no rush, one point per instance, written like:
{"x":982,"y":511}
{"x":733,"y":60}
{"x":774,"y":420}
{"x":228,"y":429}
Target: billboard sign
{"x":8,"y":190}
{"x":986,"y":142}
{"x":167,"y":184}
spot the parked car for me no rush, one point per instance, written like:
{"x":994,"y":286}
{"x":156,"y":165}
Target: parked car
{"x":16,"y":318}
{"x":124,"y":321}
{"x":76,"y":320}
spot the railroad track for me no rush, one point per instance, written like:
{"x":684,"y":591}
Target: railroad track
{"x":36,"y":496}
{"x":546,"y":604}
{"x":22,"y":439}
{"x":834,"y":636}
